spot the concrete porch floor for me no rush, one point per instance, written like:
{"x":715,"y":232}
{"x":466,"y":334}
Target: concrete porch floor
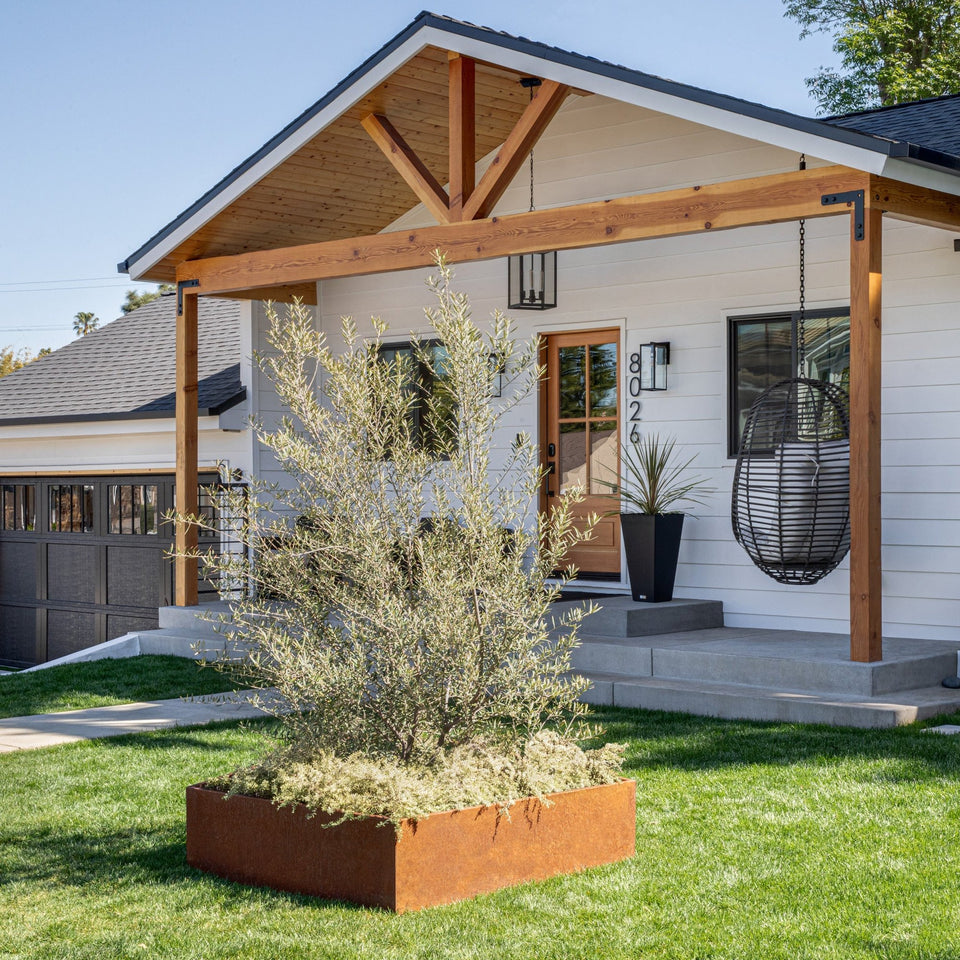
{"x":637,"y":656}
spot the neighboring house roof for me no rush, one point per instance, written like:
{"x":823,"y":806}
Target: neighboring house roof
{"x":127,"y":369}
{"x":903,"y":143}
{"x":933,"y":124}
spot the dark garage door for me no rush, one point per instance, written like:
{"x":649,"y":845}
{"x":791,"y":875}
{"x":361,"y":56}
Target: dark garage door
{"x":82,"y":560}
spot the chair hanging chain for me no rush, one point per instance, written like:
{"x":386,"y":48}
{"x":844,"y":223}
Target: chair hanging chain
{"x":801,"y":320}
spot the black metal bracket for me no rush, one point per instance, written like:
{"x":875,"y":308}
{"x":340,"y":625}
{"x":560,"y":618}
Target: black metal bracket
{"x":851,"y":196}
{"x":181,"y":285}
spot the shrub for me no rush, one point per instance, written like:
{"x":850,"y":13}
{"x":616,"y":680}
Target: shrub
{"x":401,"y":609}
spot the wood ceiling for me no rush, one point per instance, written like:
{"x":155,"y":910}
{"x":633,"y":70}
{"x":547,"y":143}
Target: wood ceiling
{"x":340,"y":184}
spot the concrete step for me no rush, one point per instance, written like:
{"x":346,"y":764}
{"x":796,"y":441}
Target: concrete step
{"x":192,"y":618}
{"x":742,"y":702}
{"x":196,"y":644}
{"x":793,"y":660}
{"x":624,"y":617}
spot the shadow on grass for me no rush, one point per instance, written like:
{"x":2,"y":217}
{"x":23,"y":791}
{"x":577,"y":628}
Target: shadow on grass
{"x":674,"y":740}
{"x":107,"y":859}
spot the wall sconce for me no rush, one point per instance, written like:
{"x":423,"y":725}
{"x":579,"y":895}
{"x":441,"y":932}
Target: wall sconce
{"x":532,"y":281}
{"x":654,"y":358}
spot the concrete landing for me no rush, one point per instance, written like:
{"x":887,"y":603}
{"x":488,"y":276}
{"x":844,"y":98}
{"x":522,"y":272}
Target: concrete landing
{"x":742,"y":673}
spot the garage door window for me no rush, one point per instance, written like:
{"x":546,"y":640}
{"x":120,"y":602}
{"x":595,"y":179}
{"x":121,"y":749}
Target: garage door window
{"x":133,"y":508}
{"x":71,"y":508}
{"x":19,"y":506}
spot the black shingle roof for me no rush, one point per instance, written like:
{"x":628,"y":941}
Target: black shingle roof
{"x":127,"y":369}
{"x":933,"y":123}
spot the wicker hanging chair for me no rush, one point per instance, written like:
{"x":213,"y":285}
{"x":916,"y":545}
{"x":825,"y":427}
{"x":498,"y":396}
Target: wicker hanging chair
{"x":790,"y":505}
{"x":791,"y":490}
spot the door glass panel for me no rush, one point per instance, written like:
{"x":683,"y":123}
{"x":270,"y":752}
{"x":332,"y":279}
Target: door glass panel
{"x":28,"y":507}
{"x":603,"y":380}
{"x":573,"y":455}
{"x":150,"y":506}
{"x":603,"y":454}
{"x":573,"y":382}
{"x":9,"y":513}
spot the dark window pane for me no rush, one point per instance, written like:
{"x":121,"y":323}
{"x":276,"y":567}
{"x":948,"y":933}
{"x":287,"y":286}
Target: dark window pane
{"x":137,"y":508}
{"x":150,"y":509}
{"x":9,"y":512}
{"x":28,"y":506}
{"x":828,"y":350}
{"x":573,"y":382}
{"x":113,"y":505}
{"x":603,"y":380}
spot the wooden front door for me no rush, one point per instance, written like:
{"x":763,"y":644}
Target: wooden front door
{"x":581,"y":439}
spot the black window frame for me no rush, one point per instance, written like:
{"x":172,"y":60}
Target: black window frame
{"x":423,"y":435}
{"x":733,"y":413}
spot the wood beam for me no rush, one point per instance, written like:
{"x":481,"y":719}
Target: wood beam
{"x":520,"y":141}
{"x":866,"y":616}
{"x":185,"y":567}
{"x":919,"y":204}
{"x":413,"y":170}
{"x":463,"y":125}
{"x":757,"y":200}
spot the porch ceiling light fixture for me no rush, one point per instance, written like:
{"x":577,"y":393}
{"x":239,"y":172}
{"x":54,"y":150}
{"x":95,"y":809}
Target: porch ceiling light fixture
{"x":532,"y":277}
{"x":654,"y":358}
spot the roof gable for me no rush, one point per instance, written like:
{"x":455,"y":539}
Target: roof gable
{"x":322,"y":178}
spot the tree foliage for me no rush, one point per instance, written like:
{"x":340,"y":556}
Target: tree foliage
{"x":891,"y":51}
{"x":11,"y":359}
{"x":406,"y":611}
{"x":137,"y":298}
{"x":85,"y":322}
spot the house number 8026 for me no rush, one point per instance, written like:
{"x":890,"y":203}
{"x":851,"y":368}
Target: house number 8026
{"x":633,"y":389}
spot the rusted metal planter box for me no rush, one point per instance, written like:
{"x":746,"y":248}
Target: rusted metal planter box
{"x":441,"y":858}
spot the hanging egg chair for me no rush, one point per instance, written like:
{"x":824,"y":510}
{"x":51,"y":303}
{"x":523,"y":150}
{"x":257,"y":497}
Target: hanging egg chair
{"x":790,"y":505}
{"x":791,"y":489}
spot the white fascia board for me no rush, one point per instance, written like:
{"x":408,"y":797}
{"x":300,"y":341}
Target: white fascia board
{"x":921,"y":176}
{"x":709,"y":116}
{"x":99,"y":428}
{"x":272,"y":160}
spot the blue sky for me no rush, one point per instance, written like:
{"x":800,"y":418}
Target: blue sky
{"x":115,"y":116}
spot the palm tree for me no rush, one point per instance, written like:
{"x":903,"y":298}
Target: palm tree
{"x":84,"y":323}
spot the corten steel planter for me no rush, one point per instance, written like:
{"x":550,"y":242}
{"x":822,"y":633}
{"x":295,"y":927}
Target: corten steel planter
{"x":441,"y":858}
{"x":652,"y":545}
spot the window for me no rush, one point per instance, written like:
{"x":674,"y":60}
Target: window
{"x":18,"y":506}
{"x":764,"y":350}
{"x":426,"y":367}
{"x":71,"y":508}
{"x":133,"y":508}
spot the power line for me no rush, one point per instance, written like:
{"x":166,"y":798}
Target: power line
{"x":27,"y":283}
{"x":97,"y":286}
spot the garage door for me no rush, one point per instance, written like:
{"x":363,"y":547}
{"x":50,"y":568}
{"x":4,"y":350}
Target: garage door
{"x":82,"y":560}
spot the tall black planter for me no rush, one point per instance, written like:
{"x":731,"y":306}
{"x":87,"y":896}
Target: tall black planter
{"x":652,"y":545}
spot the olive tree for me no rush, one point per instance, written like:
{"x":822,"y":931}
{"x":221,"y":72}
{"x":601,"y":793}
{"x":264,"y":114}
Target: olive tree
{"x":401,"y":604}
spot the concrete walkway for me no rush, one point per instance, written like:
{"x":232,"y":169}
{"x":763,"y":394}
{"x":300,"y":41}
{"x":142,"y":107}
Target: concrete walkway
{"x":50,"y":729}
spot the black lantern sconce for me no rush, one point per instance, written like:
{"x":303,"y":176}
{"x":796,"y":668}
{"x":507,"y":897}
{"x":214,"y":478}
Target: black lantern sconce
{"x":654,"y":358}
{"x":532,"y":281}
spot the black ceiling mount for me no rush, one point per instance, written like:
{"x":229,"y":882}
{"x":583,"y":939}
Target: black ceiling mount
{"x":850,"y":196}
{"x":181,"y":284}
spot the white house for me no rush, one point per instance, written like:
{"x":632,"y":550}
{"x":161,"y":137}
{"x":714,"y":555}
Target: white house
{"x":674,"y":212}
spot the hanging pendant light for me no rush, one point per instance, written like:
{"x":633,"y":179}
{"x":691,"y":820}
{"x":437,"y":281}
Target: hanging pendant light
{"x":790,"y":506}
{"x":532,"y":277}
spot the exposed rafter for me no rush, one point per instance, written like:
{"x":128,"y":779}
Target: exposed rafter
{"x":463,"y":113}
{"x":503,"y":168}
{"x":408,"y":165}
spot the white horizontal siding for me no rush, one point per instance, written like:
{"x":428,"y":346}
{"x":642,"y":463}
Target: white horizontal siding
{"x":682,"y":289}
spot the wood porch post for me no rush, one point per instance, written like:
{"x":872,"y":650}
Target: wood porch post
{"x":185,"y":568}
{"x":865,"y":571}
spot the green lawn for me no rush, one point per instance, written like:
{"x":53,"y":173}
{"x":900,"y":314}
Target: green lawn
{"x":76,"y":686}
{"x":753,"y":841}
